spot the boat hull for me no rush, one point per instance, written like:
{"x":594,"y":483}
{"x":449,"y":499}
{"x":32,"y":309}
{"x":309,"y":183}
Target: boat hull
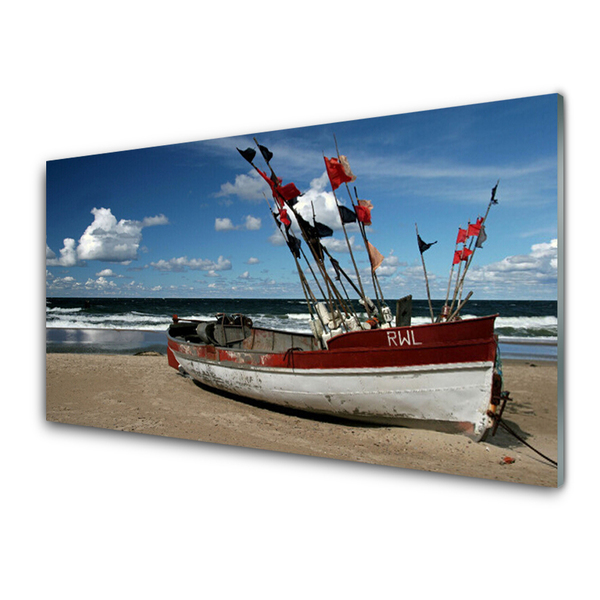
{"x":432,"y":384}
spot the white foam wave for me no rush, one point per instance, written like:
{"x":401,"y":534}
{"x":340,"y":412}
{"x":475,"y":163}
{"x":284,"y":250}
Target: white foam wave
{"x":76,"y":318}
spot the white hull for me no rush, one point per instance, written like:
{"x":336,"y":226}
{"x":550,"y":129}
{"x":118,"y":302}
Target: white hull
{"x":453,"y":397}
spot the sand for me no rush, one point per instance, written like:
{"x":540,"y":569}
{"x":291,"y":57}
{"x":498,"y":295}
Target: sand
{"x":143,"y":394}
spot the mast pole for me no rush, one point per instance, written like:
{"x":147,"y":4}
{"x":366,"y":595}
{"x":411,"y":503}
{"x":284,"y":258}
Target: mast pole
{"x":364,"y":236}
{"x":470,"y":260}
{"x":426,"y":279}
{"x":303,"y":281}
{"x":362,"y":291}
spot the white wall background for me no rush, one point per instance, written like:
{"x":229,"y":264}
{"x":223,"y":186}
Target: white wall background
{"x":95,"y":514}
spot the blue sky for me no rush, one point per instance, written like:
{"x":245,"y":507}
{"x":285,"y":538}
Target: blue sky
{"x":190,"y":220}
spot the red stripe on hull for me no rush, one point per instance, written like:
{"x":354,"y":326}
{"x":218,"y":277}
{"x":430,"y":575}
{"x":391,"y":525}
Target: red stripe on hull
{"x":466,"y":341}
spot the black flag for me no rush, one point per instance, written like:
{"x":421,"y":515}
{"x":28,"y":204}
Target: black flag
{"x":481,"y":237}
{"x":267,"y":154}
{"x":347,"y":215}
{"x":493,"y":200}
{"x":423,"y":246}
{"x":248,"y":154}
{"x":294,"y":245}
{"x":323,"y":230}
{"x":337,"y":268}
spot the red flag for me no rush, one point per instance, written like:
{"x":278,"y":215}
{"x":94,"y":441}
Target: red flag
{"x":337,"y":173}
{"x":461,"y":255}
{"x":462,"y":236}
{"x":465,"y":253}
{"x":283,"y":217}
{"x":375,"y":256}
{"x":275,"y":189}
{"x":363,"y":211}
{"x":271,"y":183}
{"x":473,"y":229}
{"x":289,"y":191}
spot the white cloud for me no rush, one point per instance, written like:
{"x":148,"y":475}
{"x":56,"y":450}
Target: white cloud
{"x":100,"y":284}
{"x":335,"y":245}
{"x":253,"y":223}
{"x":106,"y":273}
{"x":252,"y":261}
{"x":62,"y":284}
{"x":276,"y":239}
{"x":249,"y":187}
{"x":224,"y":225}
{"x":521,"y":275}
{"x":195,"y":264}
{"x":105,"y":239}
{"x":152,"y":221}
{"x":244,"y":275}
{"x":68,"y":255}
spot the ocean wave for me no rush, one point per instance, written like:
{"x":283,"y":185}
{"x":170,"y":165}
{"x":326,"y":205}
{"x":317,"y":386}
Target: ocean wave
{"x":539,"y":327}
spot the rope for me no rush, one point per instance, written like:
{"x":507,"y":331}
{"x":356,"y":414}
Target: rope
{"x":509,"y":430}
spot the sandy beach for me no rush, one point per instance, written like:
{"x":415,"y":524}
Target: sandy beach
{"x":143,"y":394}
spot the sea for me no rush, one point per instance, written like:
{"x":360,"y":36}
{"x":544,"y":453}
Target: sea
{"x":527,"y":329}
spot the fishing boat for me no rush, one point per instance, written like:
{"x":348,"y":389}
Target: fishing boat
{"x":355,"y":364}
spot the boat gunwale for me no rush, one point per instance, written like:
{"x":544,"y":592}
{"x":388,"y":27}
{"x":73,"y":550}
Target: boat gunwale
{"x":432,"y":345}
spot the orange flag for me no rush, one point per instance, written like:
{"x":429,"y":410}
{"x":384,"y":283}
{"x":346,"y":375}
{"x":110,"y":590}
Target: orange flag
{"x":375,"y":256}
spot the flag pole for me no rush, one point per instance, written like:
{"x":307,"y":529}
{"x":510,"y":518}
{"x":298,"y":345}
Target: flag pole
{"x":332,"y":292}
{"x":452,"y":267}
{"x":459,"y":308}
{"x":425,"y":273}
{"x":344,"y":307}
{"x":459,"y":281}
{"x":364,"y":236}
{"x":362,"y":291}
{"x":491,"y":202}
{"x":304,"y":283}
{"x":327,"y":280}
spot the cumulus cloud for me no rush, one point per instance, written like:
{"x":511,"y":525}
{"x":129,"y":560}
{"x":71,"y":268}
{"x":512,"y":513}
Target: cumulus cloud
{"x":250,"y":223}
{"x":68,"y":255}
{"x":252,"y":261}
{"x":62,"y":284}
{"x":194,"y":264}
{"x":106,"y":273}
{"x":152,"y":221}
{"x":105,"y":239}
{"x":100,"y":284}
{"x":338,"y":245}
{"x":389,"y":266}
{"x":111,"y":240}
{"x":223,"y":225}
{"x":520,"y":274}
{"x":249,"y":187}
